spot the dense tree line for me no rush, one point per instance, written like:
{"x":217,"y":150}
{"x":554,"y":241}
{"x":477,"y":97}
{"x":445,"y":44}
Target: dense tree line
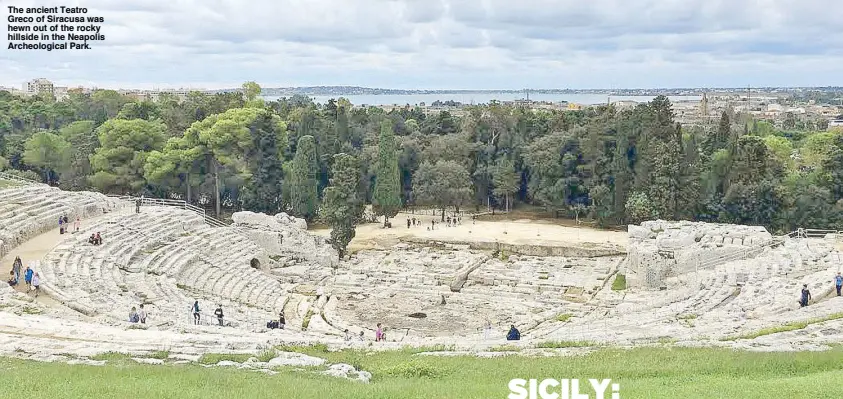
{"x":234,"y":151}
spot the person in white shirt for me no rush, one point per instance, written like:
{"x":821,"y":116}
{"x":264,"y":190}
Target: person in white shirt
{"x":36,"y":283}
{"x":142,"y":314}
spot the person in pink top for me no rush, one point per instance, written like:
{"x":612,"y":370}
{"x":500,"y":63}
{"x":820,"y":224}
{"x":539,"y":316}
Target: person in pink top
{"x":379,"y":333}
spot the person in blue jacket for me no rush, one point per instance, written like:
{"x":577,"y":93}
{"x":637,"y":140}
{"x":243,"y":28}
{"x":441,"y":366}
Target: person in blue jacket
{"x":513,"y":334}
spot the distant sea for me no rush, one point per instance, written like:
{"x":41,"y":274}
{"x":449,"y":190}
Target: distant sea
{"x":482,"y":98}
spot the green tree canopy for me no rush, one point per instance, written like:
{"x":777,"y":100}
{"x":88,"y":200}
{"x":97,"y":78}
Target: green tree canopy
{"x":47,"y":151}
{"x":118,"y":164}
{"x":443,"y":184}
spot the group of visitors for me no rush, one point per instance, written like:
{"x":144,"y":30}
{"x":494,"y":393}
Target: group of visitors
{"x":449,"y":221}
{"x":95,"y":239}
{"x":380,"y":335}
{"x":30,"y":276}
{"x":277,"y":324}
{"x":197,"y":314}
{"x":349,"y":336}
{"x":64,"y":224}
{"x":138,"y":316}
{"x":806,"y":297}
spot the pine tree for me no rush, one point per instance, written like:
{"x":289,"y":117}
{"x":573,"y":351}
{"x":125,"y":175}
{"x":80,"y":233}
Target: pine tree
{"x":303,"y":183}
{"x":264,"y":191}
{"x":386,"y":199}
{"x":341,"y":206}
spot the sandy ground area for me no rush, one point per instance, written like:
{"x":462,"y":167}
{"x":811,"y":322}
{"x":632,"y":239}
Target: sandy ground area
{"x":36,"y":249}
{"x":520,"y":231}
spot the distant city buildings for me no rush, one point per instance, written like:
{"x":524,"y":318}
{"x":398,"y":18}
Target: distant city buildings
{"x":691,"y":106}
{"x":38,"y":86}
{"x":155,"y":95}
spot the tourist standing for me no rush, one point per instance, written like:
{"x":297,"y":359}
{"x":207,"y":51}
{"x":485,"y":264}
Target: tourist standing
{"x":77,"y":224}
{"x":806,"y":296}
{"x":487,"y":330}
{"x":219,"y":314}
{"x":16,"y":265}
{"x":379,"y":333}
{"x":27,"y":276}
{"x":142,"y":314}
{"x":36,"y":283}
{"x":838,"y":282}
{"x":196,"y":315}
{"x":61,"y":225}
{"x":137,"y":205}
{"x":281,"y":320}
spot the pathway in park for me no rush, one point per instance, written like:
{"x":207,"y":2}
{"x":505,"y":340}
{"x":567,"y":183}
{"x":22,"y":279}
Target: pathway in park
{"x":38,"y":247}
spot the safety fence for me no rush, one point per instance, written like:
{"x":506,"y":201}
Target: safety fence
{"x":209,"y":220}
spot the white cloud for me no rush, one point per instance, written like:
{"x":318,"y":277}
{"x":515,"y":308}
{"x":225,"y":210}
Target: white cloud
{"x":447,"y":44}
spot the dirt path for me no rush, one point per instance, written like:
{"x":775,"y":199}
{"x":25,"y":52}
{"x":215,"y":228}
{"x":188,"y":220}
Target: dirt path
{"x":37,"y":248}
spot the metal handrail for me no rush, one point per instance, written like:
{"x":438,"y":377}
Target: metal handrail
{"x":209,"y":220}
{"x":753,"y":251}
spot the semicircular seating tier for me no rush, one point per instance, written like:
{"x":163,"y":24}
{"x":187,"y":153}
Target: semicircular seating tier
{"x":165,"y":258}
{"x":425,"y":292}
{"x":29,"y":210}
{"x":730,"y":297}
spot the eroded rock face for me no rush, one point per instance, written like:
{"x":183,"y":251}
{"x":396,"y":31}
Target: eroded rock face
{"x":285,"y":239}
{"x":659,"y":249}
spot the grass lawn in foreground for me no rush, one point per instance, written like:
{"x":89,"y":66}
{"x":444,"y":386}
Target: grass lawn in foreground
{"x":641,"y":373}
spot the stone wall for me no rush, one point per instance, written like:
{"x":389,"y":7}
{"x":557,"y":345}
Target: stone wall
{"x":597,"y":250}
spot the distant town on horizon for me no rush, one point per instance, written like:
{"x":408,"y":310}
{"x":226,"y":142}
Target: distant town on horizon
{"x":328,"y":90}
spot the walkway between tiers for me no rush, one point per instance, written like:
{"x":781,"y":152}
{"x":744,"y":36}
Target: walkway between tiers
{"x":39,"y":246}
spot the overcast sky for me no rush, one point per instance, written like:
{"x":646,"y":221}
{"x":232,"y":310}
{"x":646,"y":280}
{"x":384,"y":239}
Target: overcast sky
{"x":447,"y":44}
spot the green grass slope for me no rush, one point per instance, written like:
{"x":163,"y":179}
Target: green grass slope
{"x":642,"y":373}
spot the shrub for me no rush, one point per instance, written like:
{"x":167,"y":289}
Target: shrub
{"x":620,"y":283}
{"x":415,"y":369}
{"x":565,"y":344}
{"x":564,"y":317}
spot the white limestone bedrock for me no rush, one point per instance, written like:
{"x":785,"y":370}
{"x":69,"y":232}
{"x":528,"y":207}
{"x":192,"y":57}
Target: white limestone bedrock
{"x":286,"y":239}
{"x":28,"y":211}
{"x":387,"y":285}
{"x":660,"y":249}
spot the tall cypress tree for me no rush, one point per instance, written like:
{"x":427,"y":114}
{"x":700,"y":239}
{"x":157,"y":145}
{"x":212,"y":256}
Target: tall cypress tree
{"x":342,"y":206}
{"x":386,"y":200}
{"x":342,"y":135}
{"x":303,"y":183}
